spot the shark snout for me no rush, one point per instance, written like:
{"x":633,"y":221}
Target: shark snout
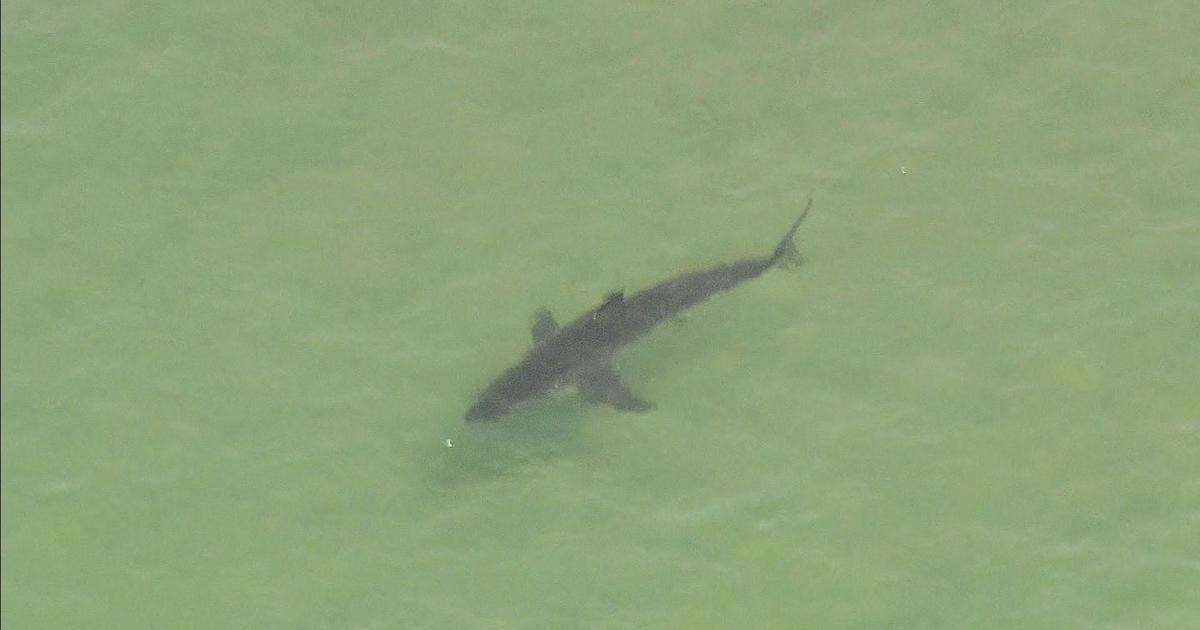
{"x":485,"y":410}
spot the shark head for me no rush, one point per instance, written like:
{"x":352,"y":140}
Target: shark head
{"x":486,"y":409}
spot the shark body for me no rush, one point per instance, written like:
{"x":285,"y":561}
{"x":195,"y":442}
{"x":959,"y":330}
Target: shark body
{"x":582,"y":351}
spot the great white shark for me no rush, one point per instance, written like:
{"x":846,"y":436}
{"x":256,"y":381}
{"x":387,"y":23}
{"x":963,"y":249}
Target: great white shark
{"x":582,"y":351}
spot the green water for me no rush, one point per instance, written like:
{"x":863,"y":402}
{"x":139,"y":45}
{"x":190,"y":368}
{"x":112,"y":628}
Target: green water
{"x":257,"y":262}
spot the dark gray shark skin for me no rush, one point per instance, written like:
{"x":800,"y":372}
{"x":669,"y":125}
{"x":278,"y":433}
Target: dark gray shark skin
{"x":582,"y":351}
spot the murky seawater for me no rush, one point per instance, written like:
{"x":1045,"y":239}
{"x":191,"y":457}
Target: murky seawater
{"x":257,"y":262}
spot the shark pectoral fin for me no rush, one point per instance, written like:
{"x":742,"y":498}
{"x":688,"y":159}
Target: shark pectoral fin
{"x":543,"y":325}
{"x":600,"y":385}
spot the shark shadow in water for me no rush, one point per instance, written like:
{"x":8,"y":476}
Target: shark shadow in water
{"x":581,"y":352}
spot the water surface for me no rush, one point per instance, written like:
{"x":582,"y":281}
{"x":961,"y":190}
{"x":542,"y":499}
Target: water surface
{"x":258,"y":260}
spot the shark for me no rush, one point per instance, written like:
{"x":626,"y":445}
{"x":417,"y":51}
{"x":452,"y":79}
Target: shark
{"x":582,"y":351}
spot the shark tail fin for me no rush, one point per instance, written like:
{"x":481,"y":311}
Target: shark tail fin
{"x":785,"y":253}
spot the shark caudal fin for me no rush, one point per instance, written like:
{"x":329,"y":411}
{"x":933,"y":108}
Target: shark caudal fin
{"x":785,"y":252}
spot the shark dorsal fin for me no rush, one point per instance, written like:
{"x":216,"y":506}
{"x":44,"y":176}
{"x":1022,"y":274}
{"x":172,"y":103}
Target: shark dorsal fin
{"x":614,"y":304}
{"x":606,"y":326}
{"x":543,"y":326}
